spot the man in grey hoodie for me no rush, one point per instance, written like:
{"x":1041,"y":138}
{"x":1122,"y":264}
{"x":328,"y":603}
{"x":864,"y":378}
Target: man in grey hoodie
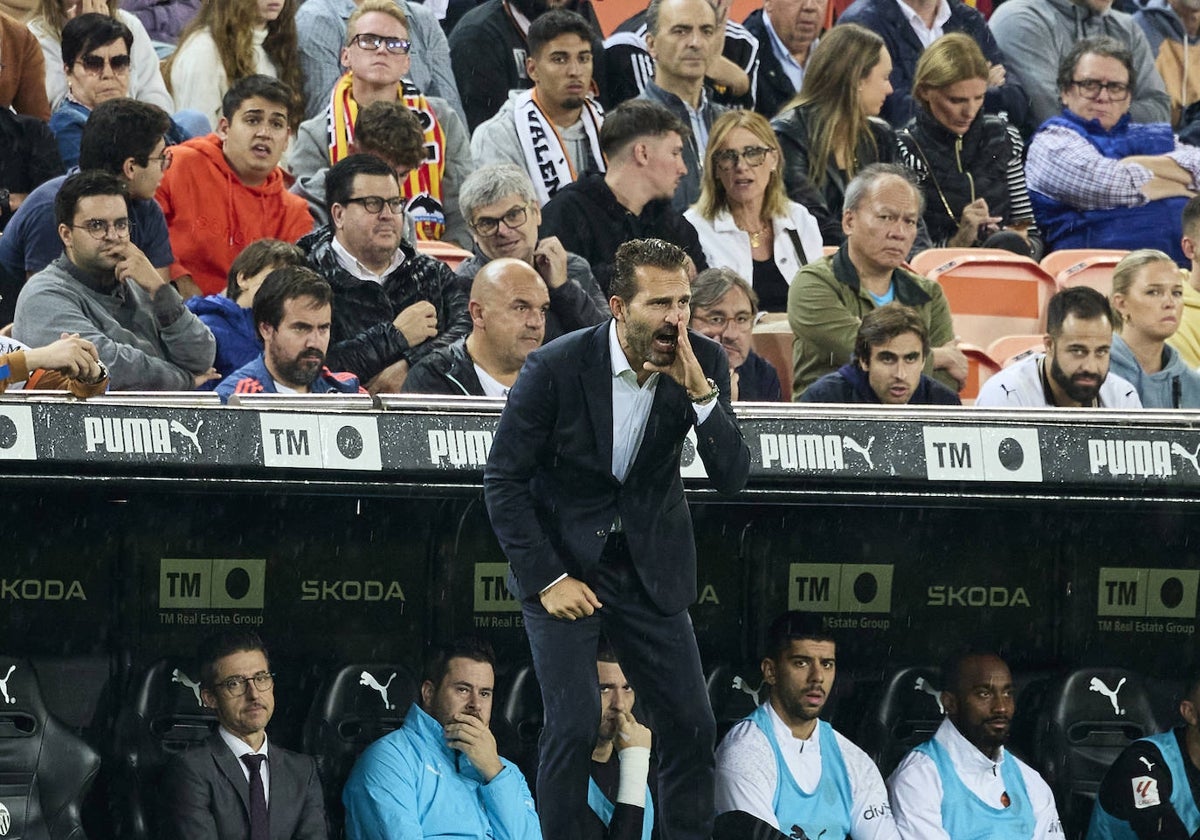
{"x":1035,"y":35}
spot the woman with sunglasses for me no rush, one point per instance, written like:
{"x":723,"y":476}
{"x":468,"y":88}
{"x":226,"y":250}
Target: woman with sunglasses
{"x":744,"y":218}
{"x":145,"y":82}
{"x":1098,"y":180}
{"x":96,"y":62}
{"x":228,"y":40}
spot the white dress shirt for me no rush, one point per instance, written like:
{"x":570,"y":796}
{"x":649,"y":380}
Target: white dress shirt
{"x":926,"y":34}
{"x":241,"y":748}
{"x":350,"y":262}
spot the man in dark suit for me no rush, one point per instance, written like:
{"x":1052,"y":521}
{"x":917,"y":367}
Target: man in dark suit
{"x":584,"y":493}
{"x":238,"y":786}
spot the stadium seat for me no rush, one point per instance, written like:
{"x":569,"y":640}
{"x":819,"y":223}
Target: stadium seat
{"x":447,"y":252}
{"x":1005,"y":350}
{"x":45,"y":769}
{"x":521,"y":717}
{"x":163,"y":717}
{"x":1091,"y":267}
{"x":980,"y":367}
{"x":773,"y":341}
{"x":906,"y":712}
{"x":358,"y":704}
{"x":733,"y":693}
{"x":1090,"y":715}
{"x":929,"y":259}
{"x":993,"y":294}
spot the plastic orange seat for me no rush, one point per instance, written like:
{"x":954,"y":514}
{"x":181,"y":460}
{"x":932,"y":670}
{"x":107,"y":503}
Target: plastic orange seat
{"x":1084,"y":267}
{"x":447,"y":252}
{"x":1057,"y":261}
{"x":929,"y":259}
{"x":1005,"y":350}
{"x":980,"y":367}
{"x":994,"y":294}
{"x":773,"y":342}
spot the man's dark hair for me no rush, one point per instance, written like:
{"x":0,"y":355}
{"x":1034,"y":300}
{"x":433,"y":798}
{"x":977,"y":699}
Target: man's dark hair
{"x":637,"y":118}
{"x":1100,"y":45}
{"x":264,"y":87}
{"x":881,"y":325}
{"x":605,"y":652}
{"x":554,"y":24}
{"x":654,"y":253}
{"x":391,"y":131}
{"x":339,"y":180}
{"x":82,"y":185}
{"x":1084,"y":302}
{"x":794,"y":626}
{"x":1191,"y":680}
{"x":952,"y":670}
{"x":260,"y":254}
{"x":1191,"y":217}
{"x":465,"y":647}
{"x":89,"y":32}
{"x":120,"y":129}
{"x":284,"y":284}
{"x":220,"y":645}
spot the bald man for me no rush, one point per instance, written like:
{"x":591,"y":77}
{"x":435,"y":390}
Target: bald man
{"x":509,"y":302}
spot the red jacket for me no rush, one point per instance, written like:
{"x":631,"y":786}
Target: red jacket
{"x":211,"y":215}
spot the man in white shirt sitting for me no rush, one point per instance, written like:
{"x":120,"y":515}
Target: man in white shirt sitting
{"x":782,"y":768}
{"x":963,"y":782}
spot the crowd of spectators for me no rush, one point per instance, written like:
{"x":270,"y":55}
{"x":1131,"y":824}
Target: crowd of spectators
{"x":514,"y":130}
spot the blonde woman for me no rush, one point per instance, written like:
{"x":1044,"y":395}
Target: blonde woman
{"x":744,"y":218}
{"x":1147,"y":299}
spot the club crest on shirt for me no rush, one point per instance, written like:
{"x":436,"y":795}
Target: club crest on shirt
{"x":1145,"y":792}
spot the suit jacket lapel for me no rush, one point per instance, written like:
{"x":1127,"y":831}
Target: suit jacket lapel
{"x":595,"y":376}
{"x":231,"y":768}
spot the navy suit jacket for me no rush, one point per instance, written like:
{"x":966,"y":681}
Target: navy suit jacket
{"x":207,"y":796}
{"x":549,"y":485}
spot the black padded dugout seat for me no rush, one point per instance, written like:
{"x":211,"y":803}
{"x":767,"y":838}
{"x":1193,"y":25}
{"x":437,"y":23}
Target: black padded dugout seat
{"x":733,"y":693}
{"x":163,"y":717}
{"x":521,"y":719}
{"x":907,"y":712}
{"x":1090,"y":716}
{"x":45,"y":769}
{"x":358,"y":704}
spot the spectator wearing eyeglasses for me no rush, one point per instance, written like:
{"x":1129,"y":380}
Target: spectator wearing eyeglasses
{"x":238,"y":785}
{"x":96,"y":59}
{"x":502,"y":211}
{"x":744,"y":218}
{"x":392,"y":306}
{"x":228,"y":40}
{"x":105,"y":290}
{"x":123,"y":137}
{"x":377,"y":60}
{"x":724,"y":307}
{"x":1097,"y":179}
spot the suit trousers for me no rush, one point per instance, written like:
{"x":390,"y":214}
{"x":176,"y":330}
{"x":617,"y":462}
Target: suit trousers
{"x":659,"y":657}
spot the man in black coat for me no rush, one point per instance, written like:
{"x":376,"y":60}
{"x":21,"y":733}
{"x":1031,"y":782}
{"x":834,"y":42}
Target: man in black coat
{"x":585,"y":496}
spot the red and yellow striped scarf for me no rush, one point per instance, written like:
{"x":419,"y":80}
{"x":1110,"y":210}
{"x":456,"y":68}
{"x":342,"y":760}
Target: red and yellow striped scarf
{"x":422,"y":190}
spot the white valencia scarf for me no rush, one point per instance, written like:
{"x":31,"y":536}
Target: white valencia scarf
{"x":546,"y":156}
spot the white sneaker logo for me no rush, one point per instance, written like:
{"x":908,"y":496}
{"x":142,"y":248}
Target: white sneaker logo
{"x":186,"y":681}
{"x":4,"y":685}
{"x":365,"y":678}
{"x":1098,"y":686}
{"x":923,"y":685}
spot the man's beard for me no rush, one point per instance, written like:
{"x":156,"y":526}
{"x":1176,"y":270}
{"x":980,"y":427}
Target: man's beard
{"x":1081,"y":392}
{"x":300,"y":371}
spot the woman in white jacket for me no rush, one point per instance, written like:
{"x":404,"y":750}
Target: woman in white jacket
{"x":744,"y":218}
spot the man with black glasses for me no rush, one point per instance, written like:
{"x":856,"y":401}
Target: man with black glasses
{"x":106,"y":290}
{"x":238,"y":785}
{"x":1098,"y":180}
{"x":391,"y":305}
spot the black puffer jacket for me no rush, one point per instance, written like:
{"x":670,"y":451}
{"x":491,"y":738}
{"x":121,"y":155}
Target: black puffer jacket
{"x":447,"y":370}
{"x":363,"y":339}
{"x":792,"y":129}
